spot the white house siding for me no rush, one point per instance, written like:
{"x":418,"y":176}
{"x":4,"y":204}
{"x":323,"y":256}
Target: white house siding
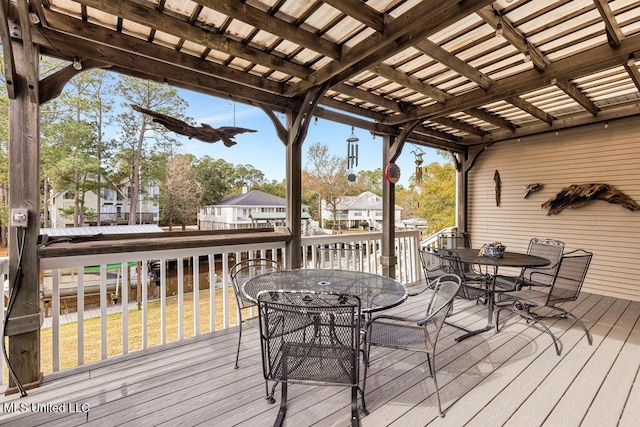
{"x":593,"y":154}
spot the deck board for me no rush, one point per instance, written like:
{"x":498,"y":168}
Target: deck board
{"x":512,"y":377}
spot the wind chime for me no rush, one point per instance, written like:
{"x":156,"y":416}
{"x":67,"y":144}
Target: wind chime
{"x":418,"y":153}
{"x":352,"y":156}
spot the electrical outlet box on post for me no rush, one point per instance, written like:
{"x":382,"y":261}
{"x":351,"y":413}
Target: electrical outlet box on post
{"x":19,"y":218}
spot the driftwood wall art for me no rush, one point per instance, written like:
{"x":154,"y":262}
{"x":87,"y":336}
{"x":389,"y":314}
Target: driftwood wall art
{"x":528,"y":189}
{"x":203,"y":133}
{"x":496,"y":179}
{"x":578,"y":195}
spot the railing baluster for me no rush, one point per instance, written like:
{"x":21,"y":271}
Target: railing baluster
{"x":225,"y":283}
{"x":103,"y":311}
{"x":55,"y":320}
{"x":80,"y":313}
{"x":212,"y":293}
{"x":163,"y":300}
{"x":143,"y":302}
{"x":180,"y":262}
{"x":196,"y":296}
{"x":124,"y":301}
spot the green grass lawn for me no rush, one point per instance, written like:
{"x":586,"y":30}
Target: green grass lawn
{"x":92,"y":346}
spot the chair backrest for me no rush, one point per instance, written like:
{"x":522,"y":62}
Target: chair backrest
{"x":546,"y":248}
{"x":569,"y":277}
{"x":454,"y":240}
{"x":310,"y":337}
{"x":432,"y":265}
{"x":341,"y":256}
{"x":445,"y":290}
{"x":247,"y":269}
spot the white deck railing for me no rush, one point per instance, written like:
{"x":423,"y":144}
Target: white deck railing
{"x":100,"y":306}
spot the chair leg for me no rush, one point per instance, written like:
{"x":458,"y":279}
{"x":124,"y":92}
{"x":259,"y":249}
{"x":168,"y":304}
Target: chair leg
{"x":547,"y":330}
{"x":435,"y":383}
{"x":239,"y":338}
{"x":283,"y":406}
{"x":364,"y":405}
{"x":355,"y":420}
{"x":270,"y":398}
{"x":430,"y":367}
{"x":584,"y":328}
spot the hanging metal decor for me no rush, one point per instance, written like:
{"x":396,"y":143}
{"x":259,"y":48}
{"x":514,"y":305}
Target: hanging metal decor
{"x":352,"y":155}
{"x":418,"y":153}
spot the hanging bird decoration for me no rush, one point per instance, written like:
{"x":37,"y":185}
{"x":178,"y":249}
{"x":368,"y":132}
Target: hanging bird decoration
{"x":418,"y":153}
{"x":203,"y":133}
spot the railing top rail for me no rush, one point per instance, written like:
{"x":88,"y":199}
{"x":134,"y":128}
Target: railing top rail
{"x":149,"y":242}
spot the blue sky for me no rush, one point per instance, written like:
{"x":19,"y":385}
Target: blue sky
{"x":264,"y":151}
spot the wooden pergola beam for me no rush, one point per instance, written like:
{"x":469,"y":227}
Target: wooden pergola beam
{"x":7,"y":52}
{"x":453,"y":62}
{"x":485,"y":116}
{"x":30,"y":57}
{"x":264,"y":21}
{"x":422,"y":20}
{"x":575,"y":93}
{"x":154,"y":19}
{"x":592,"y":60}
{"x":530,"y":108}
{"x":513,"y":36}
{"x":360,"y":11}
{"x":614,"y":34}
{"x":88,"y":33}
{"x":124,"y":62}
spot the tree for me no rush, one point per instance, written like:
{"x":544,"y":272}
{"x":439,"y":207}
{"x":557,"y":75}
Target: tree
{"x":437,"y":196}
{"x":326,"y":175}
{"x":180,"y":192}
{"x":214,"y":178}
{"x":139,"y":136}
{"x":71,"y":139}
{"x":274,"y":187}
{"x":71,"y":161}
{"x":246,"y":176}
{"x":368,"y":180}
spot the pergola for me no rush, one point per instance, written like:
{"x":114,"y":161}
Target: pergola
{"x":453,"y":75}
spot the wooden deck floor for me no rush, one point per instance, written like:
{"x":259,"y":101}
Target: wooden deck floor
{"x":510,"y":378}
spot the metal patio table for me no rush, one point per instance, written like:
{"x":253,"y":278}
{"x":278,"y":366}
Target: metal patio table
{"x":375,"y":292}
{"x":509,"y":259}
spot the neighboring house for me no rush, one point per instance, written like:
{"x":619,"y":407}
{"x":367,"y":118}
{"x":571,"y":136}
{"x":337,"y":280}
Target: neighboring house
{"x":115,"y":205}
{"x":356,"y":211}
{"x":246,"y":210}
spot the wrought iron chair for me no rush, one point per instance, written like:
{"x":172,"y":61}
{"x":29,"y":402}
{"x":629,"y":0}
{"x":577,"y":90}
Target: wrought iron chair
{"x":432,"y":267}
{"x":454,"y":240}
{"x":311,"y":338}
{"x":474,"y":284}
{"x":415,"y":334}
{"x":240,"y":273}
{"x":566,"y":283}
{"x":546,"y":248}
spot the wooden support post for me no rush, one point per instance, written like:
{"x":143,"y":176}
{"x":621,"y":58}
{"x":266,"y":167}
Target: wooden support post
{"x":24,"y":193}
{"x":462,"y":190}
{"x":388,"y":259}
{"x":292,"y":137}
{"x":294,"y":197}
